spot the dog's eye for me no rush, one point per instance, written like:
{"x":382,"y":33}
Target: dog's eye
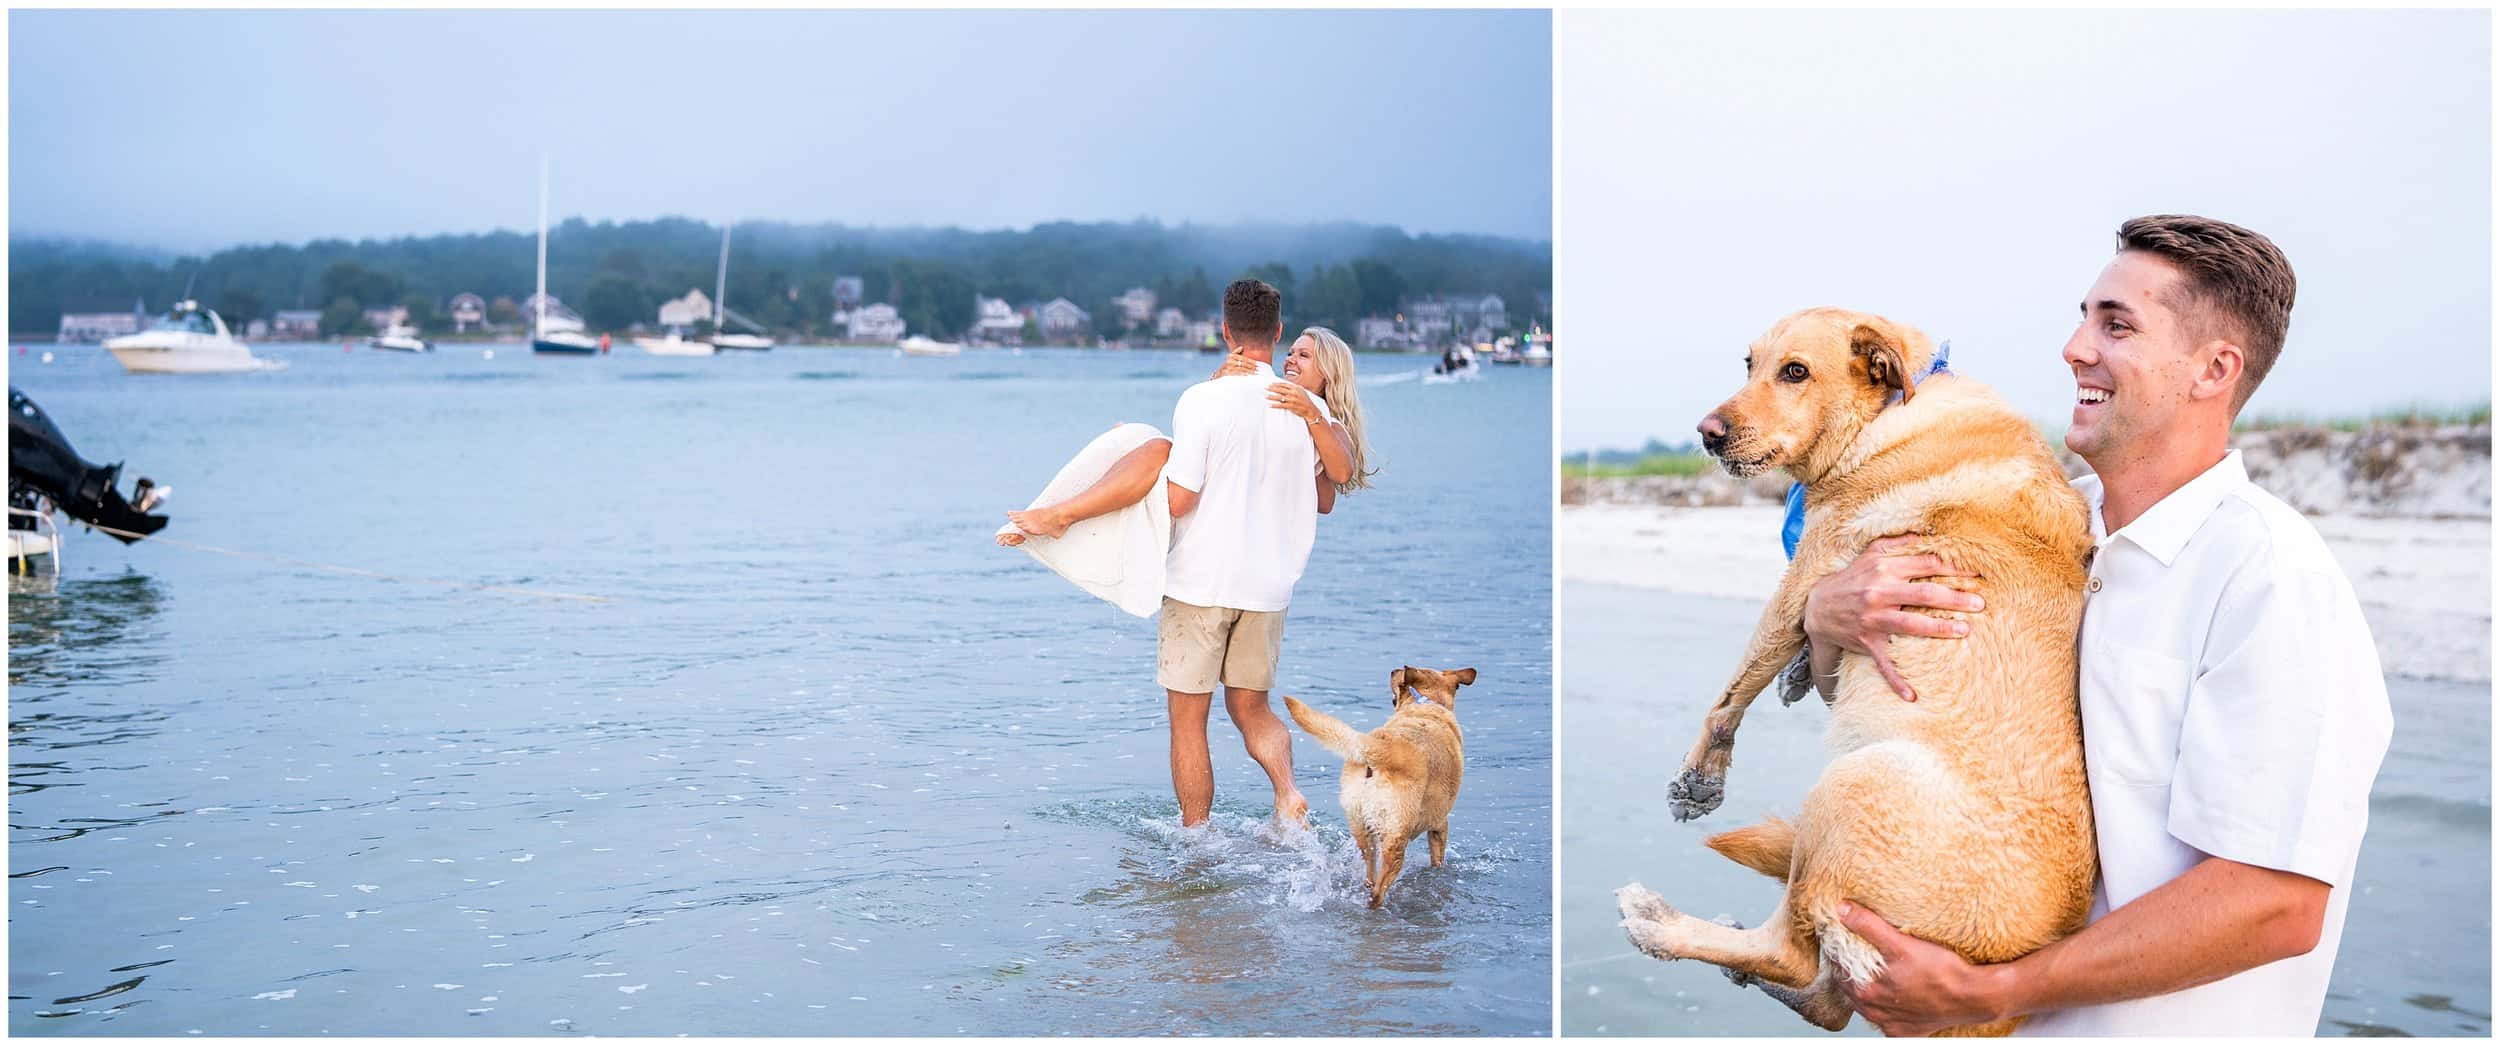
{"x":1794,"y":372}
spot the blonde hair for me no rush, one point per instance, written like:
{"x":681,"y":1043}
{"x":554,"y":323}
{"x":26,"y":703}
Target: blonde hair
{"x":1336,"y":371}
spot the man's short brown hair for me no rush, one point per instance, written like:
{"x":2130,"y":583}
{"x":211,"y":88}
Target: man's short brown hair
{"x":1254,"y":312}
{"x":2232,"y":277}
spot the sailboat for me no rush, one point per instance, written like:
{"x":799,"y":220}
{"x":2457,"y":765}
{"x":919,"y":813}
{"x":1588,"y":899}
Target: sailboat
{"x":562,"y":335}
{"x":721,"y":337}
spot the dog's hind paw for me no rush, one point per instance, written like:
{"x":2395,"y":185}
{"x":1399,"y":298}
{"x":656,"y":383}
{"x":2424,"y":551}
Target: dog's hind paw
{"x":1693,"y":794}
{"x":1796,"y":680}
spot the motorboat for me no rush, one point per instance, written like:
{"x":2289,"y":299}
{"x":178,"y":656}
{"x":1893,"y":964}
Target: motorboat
{"x":46,"y":474}
{"x":916,"y":345}
{"x":399,"y":337}
{"x":676,"y":344}
{"x":188,"y":340}
{"x":1457,"y":365}
{"x":556,"y":335}
{"x":748,"y":342}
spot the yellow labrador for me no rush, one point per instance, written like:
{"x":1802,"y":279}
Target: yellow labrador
{"x":1400,"y":780}
{"x":1963,"y":817}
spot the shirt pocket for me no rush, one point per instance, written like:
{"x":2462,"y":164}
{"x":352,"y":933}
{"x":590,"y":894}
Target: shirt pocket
{"x":2133,"y":701}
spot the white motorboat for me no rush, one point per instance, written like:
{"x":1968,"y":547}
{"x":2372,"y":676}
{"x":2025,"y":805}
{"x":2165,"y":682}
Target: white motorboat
{"x":676,"y":344}
{"x":722,"y":337}
{"x":915,"y":345}
{"x":399,"y":337}
{"x":188,"y":340}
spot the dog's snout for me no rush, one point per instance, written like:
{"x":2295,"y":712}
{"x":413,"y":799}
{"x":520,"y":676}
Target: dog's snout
{"x":1713,"y":433}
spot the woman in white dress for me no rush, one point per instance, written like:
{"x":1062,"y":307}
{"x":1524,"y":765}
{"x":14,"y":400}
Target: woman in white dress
{"x":1103,"y":522}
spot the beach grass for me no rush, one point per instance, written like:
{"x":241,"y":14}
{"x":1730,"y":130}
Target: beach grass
{"x":2403,"y":417}
{"x":1670,"y":463}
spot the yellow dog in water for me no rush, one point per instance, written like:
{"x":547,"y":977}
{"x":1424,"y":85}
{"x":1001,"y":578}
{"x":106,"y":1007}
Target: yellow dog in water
{"x":1962,"y":817}
{"x":1400,"y":780}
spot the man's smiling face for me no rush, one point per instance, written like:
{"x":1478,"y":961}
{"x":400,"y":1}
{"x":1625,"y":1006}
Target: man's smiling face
{"x":2133,"y":358}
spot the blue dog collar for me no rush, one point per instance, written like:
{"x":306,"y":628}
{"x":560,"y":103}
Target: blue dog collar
{"x":1793,"y":526}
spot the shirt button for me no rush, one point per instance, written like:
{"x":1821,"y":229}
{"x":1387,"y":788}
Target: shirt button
{"x":2093,"y":586}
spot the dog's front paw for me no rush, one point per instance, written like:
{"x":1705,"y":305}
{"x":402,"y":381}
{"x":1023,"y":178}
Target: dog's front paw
{"x":1694,"y":793}
{"x":1646,"y":918}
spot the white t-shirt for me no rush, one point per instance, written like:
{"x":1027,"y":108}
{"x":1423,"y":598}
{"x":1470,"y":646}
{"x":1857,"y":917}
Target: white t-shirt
{"x":1246,"y":542}
{"x":2232,"y":707}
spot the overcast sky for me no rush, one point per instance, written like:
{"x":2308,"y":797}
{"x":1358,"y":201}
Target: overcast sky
{"x":1965,"y":172}
{"x":200,"y":129}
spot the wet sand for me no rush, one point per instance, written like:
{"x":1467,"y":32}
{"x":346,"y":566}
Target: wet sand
{"x":1641,"y":657}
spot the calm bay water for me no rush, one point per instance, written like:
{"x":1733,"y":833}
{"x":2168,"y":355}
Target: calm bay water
{"x":2416,"y":952}
{"x":823,"y":761}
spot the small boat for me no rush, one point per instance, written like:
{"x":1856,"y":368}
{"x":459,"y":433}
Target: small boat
{"x":399,"y":337}
{"x":676,"y":344}
{"x":558,"y":335}
{"x":46,"y":473}
{"x":1540,"y":348}
{"x":1457,"y":365}
{"x":722,"y":338}
{"x":915,"y":345}
{"x":188,"y":340}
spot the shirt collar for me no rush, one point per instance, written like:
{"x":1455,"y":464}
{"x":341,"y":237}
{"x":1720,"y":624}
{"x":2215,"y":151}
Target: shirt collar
{"x":2164,"y":529}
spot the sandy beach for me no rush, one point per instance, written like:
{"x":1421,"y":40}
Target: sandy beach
{"x":2424,"y":582}
{"x":1656,"y":601}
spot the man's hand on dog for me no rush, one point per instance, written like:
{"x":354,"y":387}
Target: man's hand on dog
{"x":1923,"y":987}
{"x":1863,"y":605}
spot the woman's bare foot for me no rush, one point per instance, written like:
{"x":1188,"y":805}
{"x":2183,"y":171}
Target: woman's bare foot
{"x":1011,"y":539}
{"x":1046,"y":521}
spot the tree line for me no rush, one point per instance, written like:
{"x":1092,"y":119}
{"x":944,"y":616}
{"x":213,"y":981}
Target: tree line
{"x":781,"y":275}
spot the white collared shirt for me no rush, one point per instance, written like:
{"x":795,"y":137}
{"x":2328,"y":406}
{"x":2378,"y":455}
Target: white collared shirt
{"x":1245,"y":543}
{"x":2232,"y":707}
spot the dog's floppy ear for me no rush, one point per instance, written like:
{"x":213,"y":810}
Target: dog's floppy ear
{"x":1886,"y":364}
{"x":1397,"y":687}
{"x":1466,"y":676}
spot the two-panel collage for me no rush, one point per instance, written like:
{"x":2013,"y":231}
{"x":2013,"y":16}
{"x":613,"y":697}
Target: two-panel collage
{"x":1024,"y":523}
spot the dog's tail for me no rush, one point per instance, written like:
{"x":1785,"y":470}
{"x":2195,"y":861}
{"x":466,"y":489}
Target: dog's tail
{"x":1331,"y":734}
{"x":1764,"y":847}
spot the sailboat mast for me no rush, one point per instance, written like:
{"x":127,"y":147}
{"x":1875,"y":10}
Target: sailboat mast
{"x":541,"y":324}
{"x":720,"y":289}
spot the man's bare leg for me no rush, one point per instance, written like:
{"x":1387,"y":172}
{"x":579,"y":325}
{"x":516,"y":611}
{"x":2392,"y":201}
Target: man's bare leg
{"x":1272,"y":746}
{"x":1193,"y":770}
{"x":1128,"y":482}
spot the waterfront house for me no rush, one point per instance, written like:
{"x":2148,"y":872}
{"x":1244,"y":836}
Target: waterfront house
{"x":384,"y":319}
{"x":879,"y":322}
{"x":994,"y":322}
{"x":1062,"y":320}
{"x":686,"y":311}
{"x":1203,"y":334}
{"x":97,"y":326}
{"x":1137,"y":306}
{"x":1378,"y":332}
{"x":296,"y":324}
{"x":468,"y":312}
{"x":1171,"y":323}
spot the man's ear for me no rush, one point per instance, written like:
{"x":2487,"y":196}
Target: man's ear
{"x":1885,"y":362}
{"x":1466,"y":677}
{"x":1397,"y":688}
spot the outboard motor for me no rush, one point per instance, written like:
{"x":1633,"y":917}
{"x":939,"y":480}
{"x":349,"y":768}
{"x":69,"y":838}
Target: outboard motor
{"x":41,"y":462}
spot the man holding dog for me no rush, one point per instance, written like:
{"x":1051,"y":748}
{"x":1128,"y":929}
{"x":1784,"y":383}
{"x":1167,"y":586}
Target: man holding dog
{"x":1244,"y":513}
{"x":2234,"y":714}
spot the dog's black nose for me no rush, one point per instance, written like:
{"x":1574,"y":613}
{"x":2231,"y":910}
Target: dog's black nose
{"x":1713,"y":434}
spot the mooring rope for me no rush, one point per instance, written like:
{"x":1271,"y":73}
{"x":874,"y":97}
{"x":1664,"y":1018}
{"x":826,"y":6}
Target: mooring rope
{"x":351,"y":571}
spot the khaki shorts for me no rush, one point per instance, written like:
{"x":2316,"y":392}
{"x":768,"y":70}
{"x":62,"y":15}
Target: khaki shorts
{"x":1197,"y":647}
